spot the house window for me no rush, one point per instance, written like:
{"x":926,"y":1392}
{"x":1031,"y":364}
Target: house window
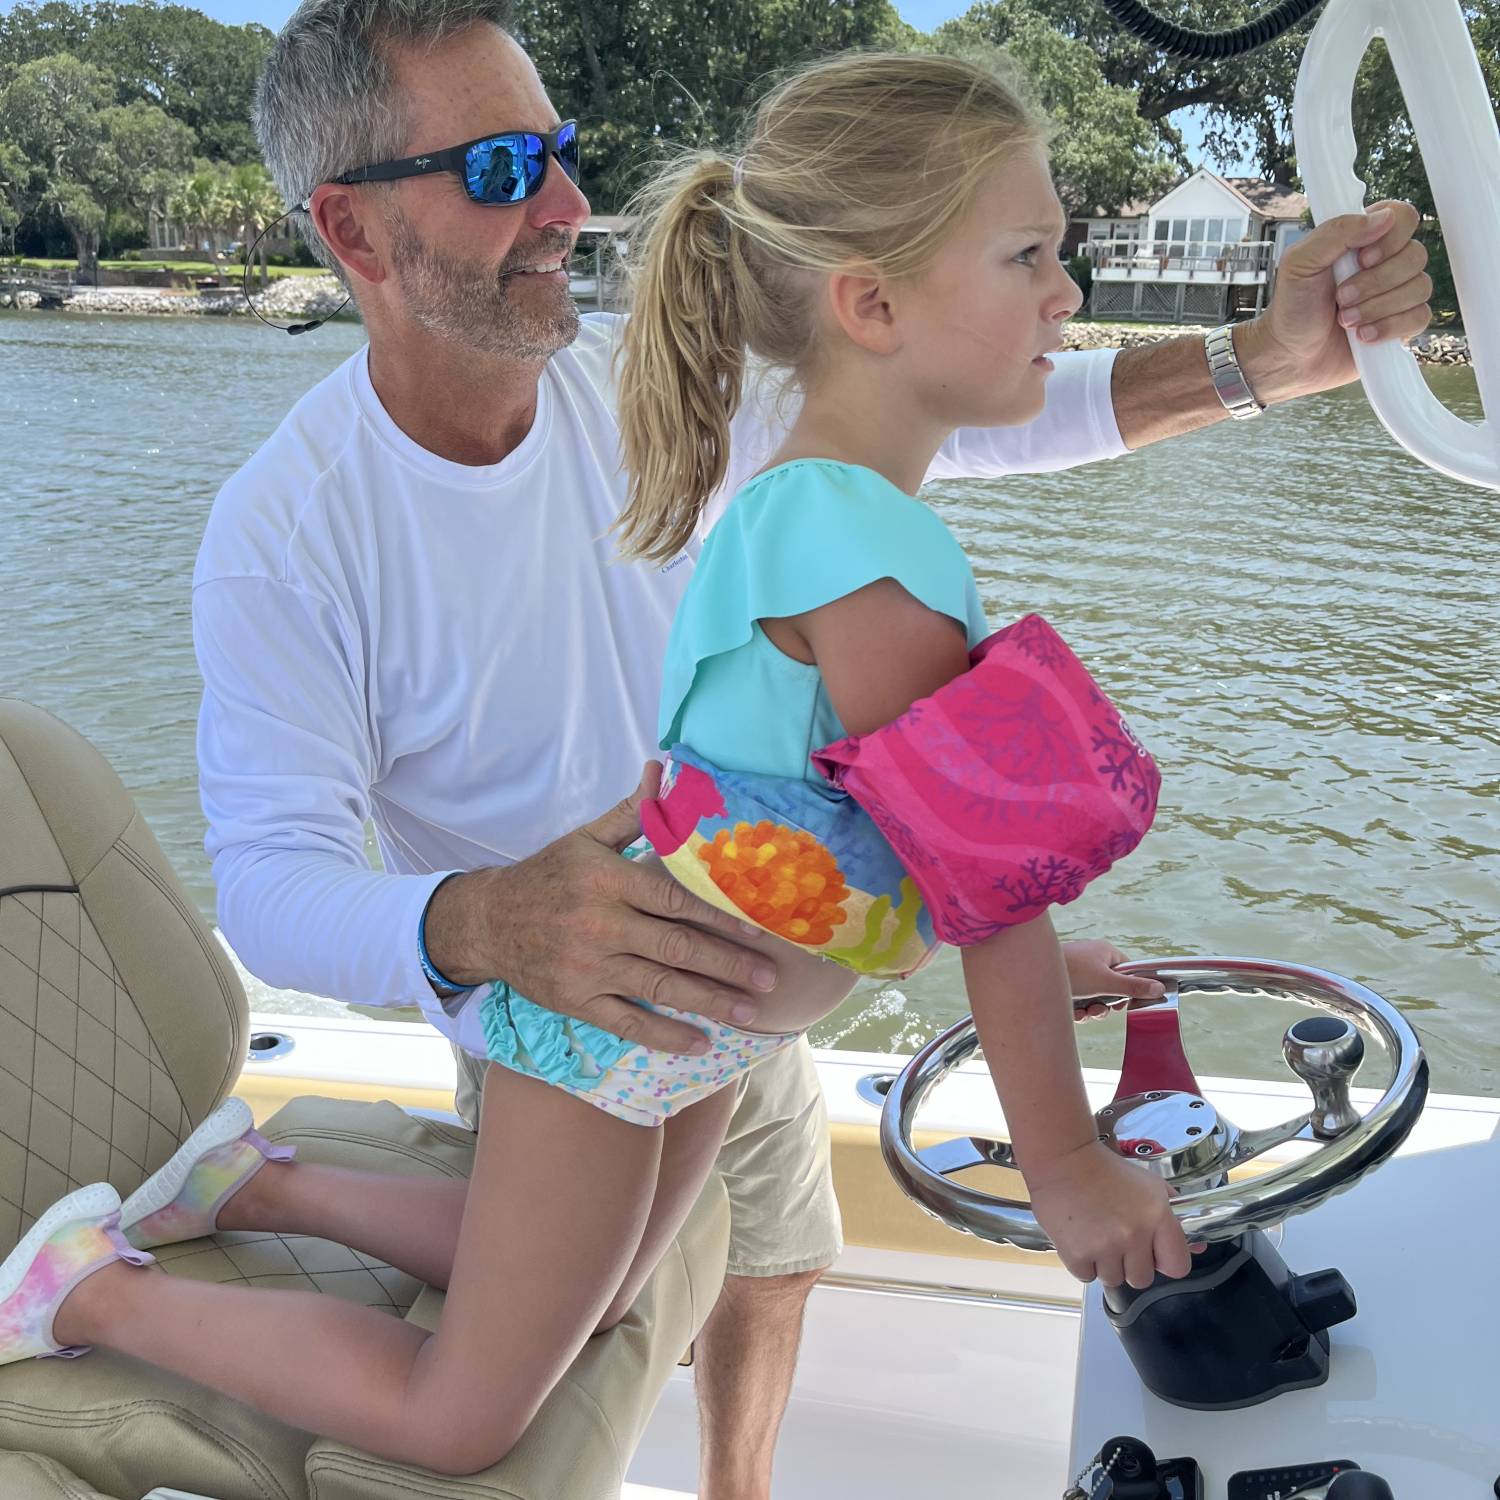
{"x":1234,"y":231}
{"x":1215,"y":237}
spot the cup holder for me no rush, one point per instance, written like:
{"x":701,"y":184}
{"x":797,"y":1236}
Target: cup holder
{"x":873,"y":1088}
{"x":264,"y":1045}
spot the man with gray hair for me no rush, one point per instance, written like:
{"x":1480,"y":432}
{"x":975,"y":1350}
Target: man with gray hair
{"x":407,"y":609}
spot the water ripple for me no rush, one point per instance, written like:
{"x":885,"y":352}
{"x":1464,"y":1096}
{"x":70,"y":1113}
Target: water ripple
{"x":1299,"y":620}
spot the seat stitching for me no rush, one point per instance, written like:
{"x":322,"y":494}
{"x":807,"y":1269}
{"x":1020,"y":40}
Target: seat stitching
{"x":123,"y":1411}
{"x":356,"y":1465}
{"x":608,"y":1426}
{"x":52,"y":1471}
{"x":46,"y":890}
{"x":390,"y":1302}
{"x":37,"y":803}
{"x":195,"y":927}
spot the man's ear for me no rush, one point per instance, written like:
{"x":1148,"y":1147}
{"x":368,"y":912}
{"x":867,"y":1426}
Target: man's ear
{"x":862,"y":302}
{"x":340,"y":215}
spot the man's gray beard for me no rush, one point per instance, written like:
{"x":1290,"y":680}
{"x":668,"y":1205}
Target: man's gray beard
{"x":471,"y":305}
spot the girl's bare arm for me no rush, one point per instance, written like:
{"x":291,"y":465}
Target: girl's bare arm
{"x":878,"y":651}
{"x":1017,"y":984}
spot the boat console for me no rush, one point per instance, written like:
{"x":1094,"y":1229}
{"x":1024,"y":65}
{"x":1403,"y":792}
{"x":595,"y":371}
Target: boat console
{"x":1126,"y":1469}
{"x":1241,"y":1374}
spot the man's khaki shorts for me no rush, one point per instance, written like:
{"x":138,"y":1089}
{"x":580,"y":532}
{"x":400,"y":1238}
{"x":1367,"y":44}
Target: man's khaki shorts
{"x":775,"y":1164}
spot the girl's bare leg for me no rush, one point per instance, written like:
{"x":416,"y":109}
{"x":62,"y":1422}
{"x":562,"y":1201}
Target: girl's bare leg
{"x":410,"y":1222}
{"x":690,"y":1142}
{"x":807,"y":989}
{"x":548,"y":1235}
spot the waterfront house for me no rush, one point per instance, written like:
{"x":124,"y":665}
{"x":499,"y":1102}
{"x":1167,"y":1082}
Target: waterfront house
{"x":170,"y":239}
{"x":1204,"y":252}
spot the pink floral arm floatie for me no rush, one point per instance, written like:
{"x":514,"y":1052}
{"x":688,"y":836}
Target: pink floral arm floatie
{"x":1008,"y":790}
{"x":1005,"y":792}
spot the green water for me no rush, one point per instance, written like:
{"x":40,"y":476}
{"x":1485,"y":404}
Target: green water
{"x":1300,"y":620}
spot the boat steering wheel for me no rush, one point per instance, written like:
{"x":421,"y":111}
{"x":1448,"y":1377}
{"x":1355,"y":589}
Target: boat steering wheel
{"x":1160,"y":1119}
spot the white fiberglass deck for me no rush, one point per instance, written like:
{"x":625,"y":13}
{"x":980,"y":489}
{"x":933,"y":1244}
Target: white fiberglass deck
{"x":928,"y":1374}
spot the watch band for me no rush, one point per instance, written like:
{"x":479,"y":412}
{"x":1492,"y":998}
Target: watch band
{"x":1228,"y":378}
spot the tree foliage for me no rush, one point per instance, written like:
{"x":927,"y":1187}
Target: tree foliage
{"x":103,"y":103}
{"x":87,"y":157}
{"x":1104,"y":152}
{"x":15,"y":190}
{"x":196,"y":70}
{"x":637,"y":73}
{"x":1248,"y":100}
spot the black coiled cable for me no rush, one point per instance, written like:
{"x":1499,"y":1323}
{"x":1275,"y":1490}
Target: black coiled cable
{"x":1200,"y":46}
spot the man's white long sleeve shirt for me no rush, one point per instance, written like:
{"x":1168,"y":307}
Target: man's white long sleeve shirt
{"x":452,"y":653}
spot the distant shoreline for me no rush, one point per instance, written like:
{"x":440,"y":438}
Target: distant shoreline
{"x":317,"y":296}
{"x":289,"y":297}
{"x":1432,"y":348}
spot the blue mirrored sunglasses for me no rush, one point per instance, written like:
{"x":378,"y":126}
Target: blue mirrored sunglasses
{"x":505,"y":168}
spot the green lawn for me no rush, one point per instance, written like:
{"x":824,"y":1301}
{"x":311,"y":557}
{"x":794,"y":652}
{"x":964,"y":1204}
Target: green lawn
{"x":187,"y":267}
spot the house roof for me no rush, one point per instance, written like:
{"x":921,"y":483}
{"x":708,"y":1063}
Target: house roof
{"x":1271,"y":200}
{"x":1137,"y":208}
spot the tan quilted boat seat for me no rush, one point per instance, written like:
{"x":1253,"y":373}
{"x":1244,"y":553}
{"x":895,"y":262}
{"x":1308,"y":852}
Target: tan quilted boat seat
{"x":121,"y":1026}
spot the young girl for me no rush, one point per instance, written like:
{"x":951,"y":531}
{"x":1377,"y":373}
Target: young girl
{"x":888,"y":239}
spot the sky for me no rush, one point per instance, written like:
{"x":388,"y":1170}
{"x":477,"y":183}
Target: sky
{"x":923,"y":14}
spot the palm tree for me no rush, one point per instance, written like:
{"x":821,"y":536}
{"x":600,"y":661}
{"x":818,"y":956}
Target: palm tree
{"x":252,"y":202}
{"x":269,"y":209}
{"x":200,"y":203}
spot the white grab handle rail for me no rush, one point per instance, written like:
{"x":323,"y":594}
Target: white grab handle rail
{"x":1455,"y":124}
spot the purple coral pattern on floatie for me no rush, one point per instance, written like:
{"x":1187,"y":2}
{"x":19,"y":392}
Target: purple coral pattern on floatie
{"x":1009,"y":789}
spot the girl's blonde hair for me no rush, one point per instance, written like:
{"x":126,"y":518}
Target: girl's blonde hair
{"x":866,"y":158}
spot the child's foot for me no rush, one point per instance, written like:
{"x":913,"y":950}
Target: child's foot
{"x":182,"y":1200}
{"x":74,"y":1238}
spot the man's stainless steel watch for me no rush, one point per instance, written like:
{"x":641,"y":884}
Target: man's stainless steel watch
{"x":1229,"y":380}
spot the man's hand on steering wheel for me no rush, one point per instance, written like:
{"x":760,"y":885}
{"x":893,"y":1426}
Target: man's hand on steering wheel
{"x":583,"y":932}
{"x":1300,"y":344}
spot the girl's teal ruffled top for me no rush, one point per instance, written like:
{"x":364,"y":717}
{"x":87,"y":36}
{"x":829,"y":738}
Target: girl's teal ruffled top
{"x":526,"y":1036}
{"x":798,"y":536}
{"x":795,"y":537}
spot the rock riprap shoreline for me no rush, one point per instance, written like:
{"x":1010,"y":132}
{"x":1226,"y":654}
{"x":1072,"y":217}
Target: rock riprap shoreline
{"x":1430,"y":348}
{"x":288,"y":298}
{"x":294,"y":298}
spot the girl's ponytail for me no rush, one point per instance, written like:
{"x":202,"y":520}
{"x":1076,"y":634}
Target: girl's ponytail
{"x":684,"y":354}
{"x":865,"y":159}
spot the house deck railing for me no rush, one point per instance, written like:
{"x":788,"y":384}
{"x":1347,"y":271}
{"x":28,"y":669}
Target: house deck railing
{"x":1180,"y":260}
